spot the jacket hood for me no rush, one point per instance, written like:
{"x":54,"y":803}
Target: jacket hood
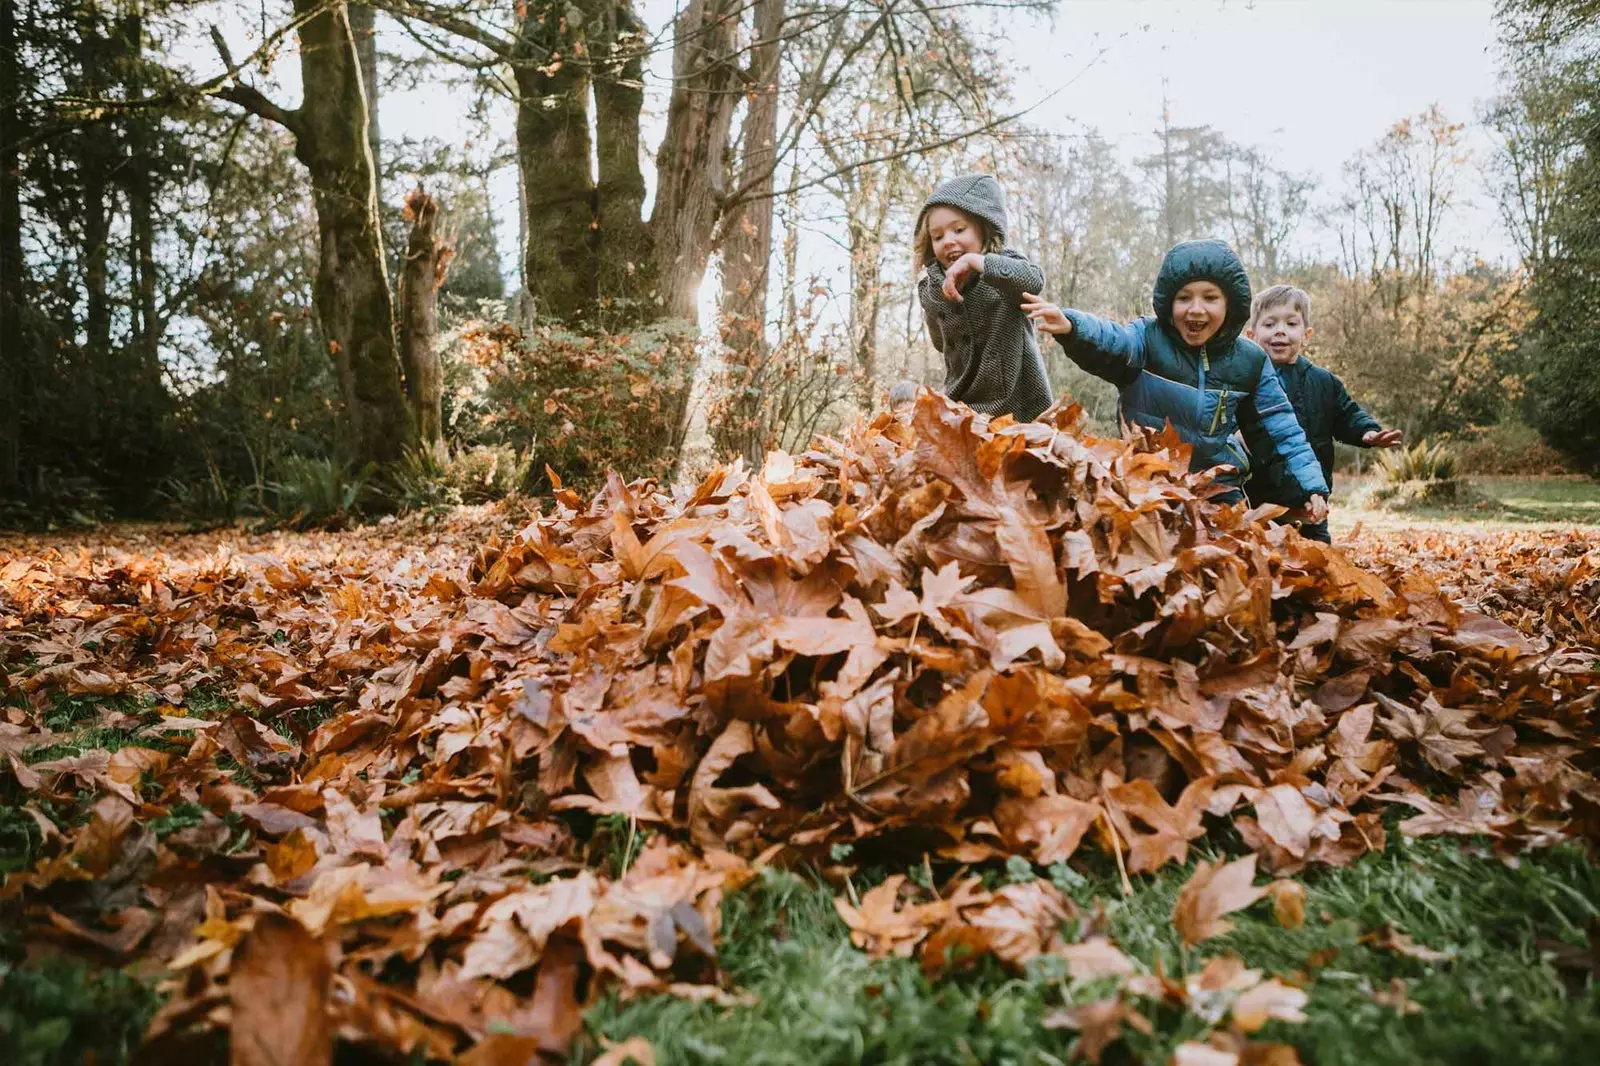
{"x":978,"y":195}
{"x":1209,"y":260}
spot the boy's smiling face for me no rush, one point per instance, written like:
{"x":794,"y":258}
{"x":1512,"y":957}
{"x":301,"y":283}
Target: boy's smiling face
{"x":953,"y":233}
{"x":1282,"y":331}
{"x":1198,"y":311}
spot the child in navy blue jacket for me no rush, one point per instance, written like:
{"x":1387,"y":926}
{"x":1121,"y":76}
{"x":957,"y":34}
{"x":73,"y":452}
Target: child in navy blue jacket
{"x":1280,"y":322}
{"x":1188,"y":365}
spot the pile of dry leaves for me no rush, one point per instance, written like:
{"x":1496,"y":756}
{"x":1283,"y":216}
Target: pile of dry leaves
{"x":940,"y":638}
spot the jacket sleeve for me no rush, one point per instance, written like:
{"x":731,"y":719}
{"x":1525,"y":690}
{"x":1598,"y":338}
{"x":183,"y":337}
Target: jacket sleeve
{"x":1108,"y":350}
{"x":930,"y":296}
{"x":1277,"y":431}
{"x":1350,"y":421}
{"x":1012,"y":274}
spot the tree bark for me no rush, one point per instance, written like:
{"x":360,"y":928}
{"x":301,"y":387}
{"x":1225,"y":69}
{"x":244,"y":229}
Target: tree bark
{"x":692,"y":163}
{"x":141,"y":223}
{"x":95,"y":149}
{"x":364,"y":28}
{"x":13,"y":287}
{"x":426,"y":260}
{"x":747,"y":245}
{"x":623,"y":247}
{"x":553,"y":149}
{"x":352,"y":285}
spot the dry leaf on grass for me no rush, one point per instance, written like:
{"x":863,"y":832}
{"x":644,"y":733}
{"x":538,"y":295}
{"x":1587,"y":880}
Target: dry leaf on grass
{"x":1211,"y":893}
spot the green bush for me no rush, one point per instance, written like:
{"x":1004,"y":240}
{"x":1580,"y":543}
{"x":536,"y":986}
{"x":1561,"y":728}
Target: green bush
{"x":52,"y":500}
{"x":432,"y":476}
{"x":1421,"y":461}
{"x":316,"y":493}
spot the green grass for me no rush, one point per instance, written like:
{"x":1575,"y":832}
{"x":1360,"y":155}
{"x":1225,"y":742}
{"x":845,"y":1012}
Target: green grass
{"x":821,"y":1002}
{"x":1507,"y":503}
{"x":63,"y":1013}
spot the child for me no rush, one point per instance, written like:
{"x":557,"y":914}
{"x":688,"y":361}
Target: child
{"x":971,"y":290}
{"x":1188,"y":365}
{"x":1280,"y":322}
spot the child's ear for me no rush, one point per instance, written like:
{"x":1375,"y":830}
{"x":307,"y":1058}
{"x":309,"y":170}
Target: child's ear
{"x":1250,"y":333}
{"x":1309,"y":332}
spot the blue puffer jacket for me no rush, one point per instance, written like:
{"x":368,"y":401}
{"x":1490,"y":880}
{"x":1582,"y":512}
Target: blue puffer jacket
{"x":1213,"y":395}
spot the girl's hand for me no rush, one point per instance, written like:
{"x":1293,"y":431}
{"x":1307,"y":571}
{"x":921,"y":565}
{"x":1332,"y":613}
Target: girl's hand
{"x":1383,"y":438}
{"x":1048,"y":316}
{"x":956,"y":275}
{"x":1317,"y":509}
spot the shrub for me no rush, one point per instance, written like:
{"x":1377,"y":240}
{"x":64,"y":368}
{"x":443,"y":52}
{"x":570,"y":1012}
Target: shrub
{"x":433,"y":476}
{"x":581,"y":405}
{"x":1507,"y":449}
{"x":319,"y":493}
{"x":1421,"y":461}
{"x":205,"y":501}
{"x":51,"y":500}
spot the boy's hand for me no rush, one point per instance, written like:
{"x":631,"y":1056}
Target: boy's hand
{"x":1048,"y":316}
{"x":1383,"y":438}
{"x":956,"y":275}
{"x":1317,"y":509}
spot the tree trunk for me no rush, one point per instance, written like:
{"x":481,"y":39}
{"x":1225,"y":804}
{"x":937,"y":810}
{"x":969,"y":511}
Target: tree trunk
{"x":553,"y":149}
{"x":747,"y":246}
{"x":364,"y":28}
{"x":141,"y":224}
{"x":14,"y":376}
{"x":95,"y":164}
{"x":419,"y":315}
{"x":623,"y":248}
{"x":692,"y":163}
{"x":352,"y":285}
{"x":866,"y":274}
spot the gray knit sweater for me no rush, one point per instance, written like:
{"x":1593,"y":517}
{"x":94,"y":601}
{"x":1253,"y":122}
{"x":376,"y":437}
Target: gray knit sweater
{"x":992,"y":361}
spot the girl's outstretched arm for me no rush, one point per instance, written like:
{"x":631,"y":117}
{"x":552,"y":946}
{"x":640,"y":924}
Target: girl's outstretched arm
{"x":1108,"y":350}
{"x":1012,"y":274}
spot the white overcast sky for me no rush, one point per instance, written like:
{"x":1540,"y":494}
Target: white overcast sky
{"x":1313,"y":81}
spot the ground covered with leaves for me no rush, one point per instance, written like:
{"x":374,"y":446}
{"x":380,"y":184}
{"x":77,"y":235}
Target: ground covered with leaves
{"x":947,"y":742}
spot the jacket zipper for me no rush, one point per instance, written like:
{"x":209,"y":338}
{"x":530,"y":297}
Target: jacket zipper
{"x":1216,"y":415}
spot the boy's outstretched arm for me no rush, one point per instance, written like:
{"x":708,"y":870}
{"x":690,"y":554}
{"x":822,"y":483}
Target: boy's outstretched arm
{"x":1108,"y":350}
{"x":1353,"y":425}
{"x":1270,"y":407}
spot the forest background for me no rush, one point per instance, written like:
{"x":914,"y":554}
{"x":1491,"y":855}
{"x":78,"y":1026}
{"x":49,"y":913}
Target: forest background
{"x":224,"y":291}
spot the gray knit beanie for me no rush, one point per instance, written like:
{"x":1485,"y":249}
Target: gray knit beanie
{"x":978,"y":195}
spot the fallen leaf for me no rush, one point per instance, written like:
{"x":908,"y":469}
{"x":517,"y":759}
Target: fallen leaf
{"x":1214,"y":891}
{"x":278,"y":985}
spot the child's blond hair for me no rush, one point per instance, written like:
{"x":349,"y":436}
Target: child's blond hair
{"x":1281,"y":296}
{"x":922,"y":243}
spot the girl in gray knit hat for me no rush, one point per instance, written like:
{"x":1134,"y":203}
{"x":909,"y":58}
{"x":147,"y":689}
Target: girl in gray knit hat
{"x":971,"y":288}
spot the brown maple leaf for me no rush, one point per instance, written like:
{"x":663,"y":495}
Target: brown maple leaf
{"x":1212,"y":892}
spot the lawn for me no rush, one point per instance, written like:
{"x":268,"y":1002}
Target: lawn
{"x":1507,"y":503}
{"x":1498,"y":997}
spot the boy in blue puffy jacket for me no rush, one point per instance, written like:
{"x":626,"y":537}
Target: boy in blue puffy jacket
{"x":1189,"y":365}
